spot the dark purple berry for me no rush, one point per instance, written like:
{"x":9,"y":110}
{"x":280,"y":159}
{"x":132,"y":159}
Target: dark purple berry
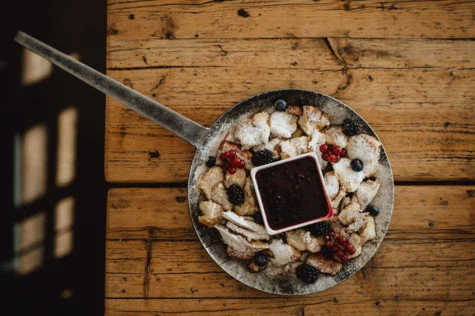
{"x":372,"y":210}
{"x":211,"y":161}
{"x":350,"y":127}
{"x":356,"y":165}
{"x":280,"y":105}
{"x":260,"y":259}
{"x":307,"y":273}
{"x":235,"y":194}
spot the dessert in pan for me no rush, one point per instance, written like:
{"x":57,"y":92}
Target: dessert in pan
{"x":313,"y":211}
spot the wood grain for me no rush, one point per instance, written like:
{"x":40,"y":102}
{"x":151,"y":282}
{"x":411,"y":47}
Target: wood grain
{"x":305,"y":53}
{"x":424,"y":265}
{"x":405,"y":107}
{"x":407,"y":67}
{"x":420,"y":212}
{"x":289,"y":306}
{"x":297,"y":18}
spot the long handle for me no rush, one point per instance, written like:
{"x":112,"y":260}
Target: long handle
{"x":160,"y":114}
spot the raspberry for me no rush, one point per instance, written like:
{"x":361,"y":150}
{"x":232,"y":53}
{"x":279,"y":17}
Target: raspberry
{"x":232,"y":170}
{"x":323,"y":148}
{"x":262,"y":157}
{"x":235,"y":194}
{"x":307,"y":273}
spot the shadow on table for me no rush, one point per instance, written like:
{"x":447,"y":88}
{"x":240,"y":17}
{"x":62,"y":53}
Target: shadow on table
{"x":53,"y":225}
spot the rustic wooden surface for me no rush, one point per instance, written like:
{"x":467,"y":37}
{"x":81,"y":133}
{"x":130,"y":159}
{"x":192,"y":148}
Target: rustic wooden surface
{"x":407,"y":67}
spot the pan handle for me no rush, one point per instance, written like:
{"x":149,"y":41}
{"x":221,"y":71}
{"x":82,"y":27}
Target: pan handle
{"x":176,"y":123}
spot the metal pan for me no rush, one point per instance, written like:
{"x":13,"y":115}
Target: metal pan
{"x":206,"y":142}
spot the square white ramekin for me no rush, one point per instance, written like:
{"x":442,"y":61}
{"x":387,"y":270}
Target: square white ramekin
{"x":261,"y":206}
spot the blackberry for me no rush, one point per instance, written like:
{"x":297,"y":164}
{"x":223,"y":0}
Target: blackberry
{"x":280,"y":105}
{"x":235,"y":194}
{"x":372,"y":210}
{"x":307,"y":273}
{"x":210,"y":162}
{"x":350,"y":127}
{"x":262,"y":157}
{"x":319,"y":229}
{"x":260,"y":259}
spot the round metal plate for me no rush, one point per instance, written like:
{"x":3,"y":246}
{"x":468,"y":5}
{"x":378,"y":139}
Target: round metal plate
{"x":286,"y":283}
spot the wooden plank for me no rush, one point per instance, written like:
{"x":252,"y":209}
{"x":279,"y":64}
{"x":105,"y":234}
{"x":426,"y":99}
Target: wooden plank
{"x":420,"y":212}
{"x":149,"y":214}
{"x":284,"y":306}
{"x":179,"y":257}
{"x":423,"y":116}
{"x":283,"y":52}
{"x":449,"y":283}
{"x":297,"y":18}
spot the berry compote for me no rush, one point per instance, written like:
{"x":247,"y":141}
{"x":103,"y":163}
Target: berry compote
{"x":292,"y":193}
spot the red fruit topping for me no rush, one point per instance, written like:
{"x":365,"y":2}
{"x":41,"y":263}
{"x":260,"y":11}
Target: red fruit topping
{"x":337,"y":158}
{"x":331,"y":158}
{"x":330,"y":148}
{"x":330,"y":244}
{"x":235,"y":160}
{"x":339,"y":254}
{"x":226,"y":155}
{"x":327,"y":238}
{"x":337,"y":151}
{"x":341,"y":240}
{"x":323,"y":148}
{"x":334,"y":248}
{"x":241,"y":163}
{"x":232,"y":170}
{"x":325,"y":156}
{"x":232,"y":154}
{"x":222,"y":156}
{"x":331,"y":233}
{"x":343,"y":153}
{"x":343,"y":258}
{"x":349,"y":249}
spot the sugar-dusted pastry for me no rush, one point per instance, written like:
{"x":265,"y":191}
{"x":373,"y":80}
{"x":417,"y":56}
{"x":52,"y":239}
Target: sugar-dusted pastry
{"x":367,"y":149}
{"x":312,"y":119}
{"x":209,"y":180}
{"x":334,"y":135}
{"x":282,"y":124}
{"x":349,"y":179}
{"x":253,"y":132}
{"x":212,"y":213}
{"x":249,"y":207}
{"x":302,"y":240}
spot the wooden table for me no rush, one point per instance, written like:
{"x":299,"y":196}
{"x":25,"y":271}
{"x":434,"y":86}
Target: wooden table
{"x":407,"y":67}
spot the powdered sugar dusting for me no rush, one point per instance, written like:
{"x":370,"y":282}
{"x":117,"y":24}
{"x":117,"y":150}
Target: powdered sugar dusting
{"x":278,"y":279}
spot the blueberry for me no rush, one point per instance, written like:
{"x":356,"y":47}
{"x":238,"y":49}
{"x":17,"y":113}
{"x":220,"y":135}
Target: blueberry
{"x":260,"y":259}
{"x":372,"y":210}
{"x":356,"y":165}
{"x":258,"y":218}
{"x":280,"y":105}
{"x":211,"y":161}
